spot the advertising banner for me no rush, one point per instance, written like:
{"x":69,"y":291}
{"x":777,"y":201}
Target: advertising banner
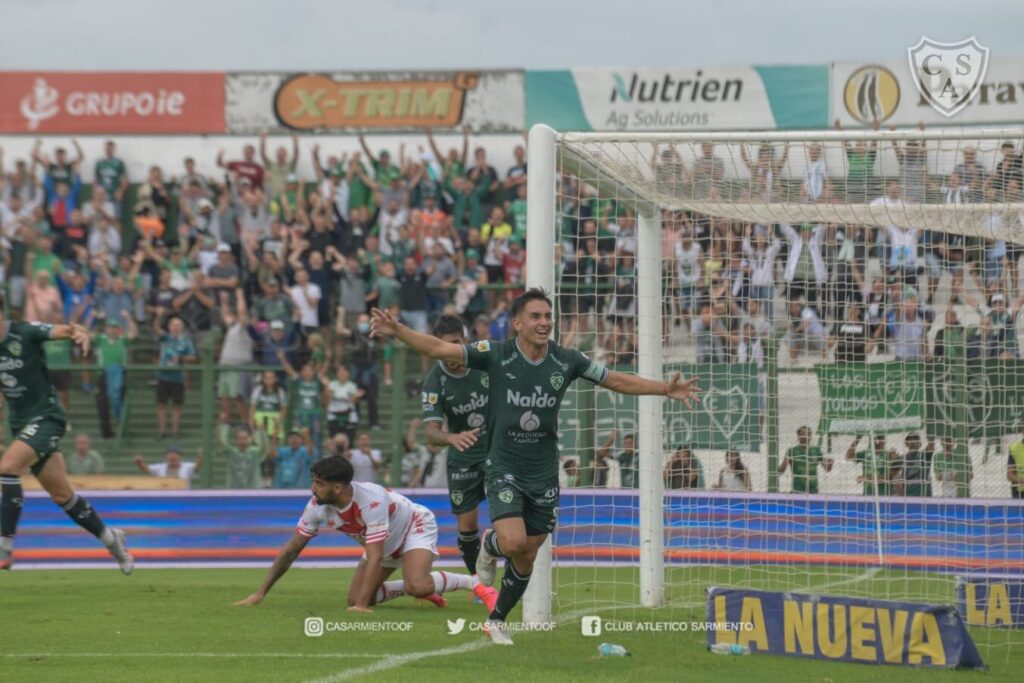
{"x":725,"y":418}
{"x":986,"y":601}
{"x":679,"y":99}
{"x":889,"y":91}
{"x":46,"y":102}
{"x":859,"y":398}
{"x":841,"y":629}
{"x":486,"y":101}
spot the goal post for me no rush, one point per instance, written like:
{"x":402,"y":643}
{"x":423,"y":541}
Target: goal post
{"x":823,"y":218}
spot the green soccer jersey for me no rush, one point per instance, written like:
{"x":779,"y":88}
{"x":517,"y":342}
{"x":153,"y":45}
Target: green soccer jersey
{"x":525,"y":398}
{"x":875,"y":467}
{"x":243,"y":466}
{"x":804,"y":463}
{"x":24,"y":377}
{"x":307,"y":396}
{"x":110,"y":351}
{"x":263,"y":401}
{"x":109,"y":173}
{"x":461,"y":401}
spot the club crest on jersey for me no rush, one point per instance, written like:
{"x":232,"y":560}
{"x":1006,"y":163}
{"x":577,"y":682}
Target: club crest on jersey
{"x":457,"y":497}
{"x":506,"y":496}
{"x":483,"y":346}
{"x":14,"y":348}
{"x":557,"y":380}
{"x":485,"y":380}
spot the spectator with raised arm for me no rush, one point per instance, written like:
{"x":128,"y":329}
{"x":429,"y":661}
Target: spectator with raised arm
{"x":173,"y":466}
{"x":244,"y":456}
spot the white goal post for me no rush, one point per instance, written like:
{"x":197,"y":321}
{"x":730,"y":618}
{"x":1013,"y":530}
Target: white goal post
{"x":628,"y":166}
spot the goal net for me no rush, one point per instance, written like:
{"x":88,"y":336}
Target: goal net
{"x":850,"y":302}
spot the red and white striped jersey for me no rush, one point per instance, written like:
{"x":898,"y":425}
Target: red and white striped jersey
{"x":375,"y":514}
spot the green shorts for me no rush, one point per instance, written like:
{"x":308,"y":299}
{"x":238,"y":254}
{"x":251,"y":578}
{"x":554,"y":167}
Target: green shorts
{"x":43,"y":435}
{"x":229,"y":384}
{"x":465,"y":487}
{"x":537,"y":504}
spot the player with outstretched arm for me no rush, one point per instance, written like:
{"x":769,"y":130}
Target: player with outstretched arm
{"x":528,"y":376}
{"x":394,"y":532}
{"x":38,"y":422}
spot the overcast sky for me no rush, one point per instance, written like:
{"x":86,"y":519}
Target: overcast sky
{"x":381,"y":34}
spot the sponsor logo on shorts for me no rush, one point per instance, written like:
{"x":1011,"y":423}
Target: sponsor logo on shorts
{"x":506,"y":496}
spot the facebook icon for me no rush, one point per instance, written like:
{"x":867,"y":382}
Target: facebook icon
{"x":590,"y":626}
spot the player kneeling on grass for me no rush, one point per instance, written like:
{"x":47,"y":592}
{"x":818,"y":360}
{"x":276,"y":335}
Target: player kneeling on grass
{"x":394,"y":531}
{"x":38,"y":423}
{"x":527,"y":377}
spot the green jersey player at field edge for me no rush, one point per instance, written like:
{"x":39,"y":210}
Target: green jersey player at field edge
{"x":528,"y":375}
{"x":456,"y":396}
{"x":38,"y":422}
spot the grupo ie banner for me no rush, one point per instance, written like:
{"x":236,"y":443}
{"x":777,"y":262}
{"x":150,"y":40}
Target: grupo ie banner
{"x":887,"y":90}
{"x":682,"y":98}
{"x":486,"y":101}
{"x":44,"y":102}
{"x":841,"y":629}
{"x":859,"y":398}
{"x":724,"y":418}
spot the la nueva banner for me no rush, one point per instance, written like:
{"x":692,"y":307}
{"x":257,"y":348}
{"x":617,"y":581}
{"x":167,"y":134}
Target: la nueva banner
{"x":718,"y":98}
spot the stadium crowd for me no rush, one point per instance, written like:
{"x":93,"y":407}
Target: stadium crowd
{"x":281,"y":270}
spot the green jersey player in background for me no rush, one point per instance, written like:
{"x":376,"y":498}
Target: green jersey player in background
{"x":38,"y":423}
{"x":528,"y":377}
{"x":456,"y":396}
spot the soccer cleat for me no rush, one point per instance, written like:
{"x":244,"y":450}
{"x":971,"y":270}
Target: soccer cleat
{"x":487,"y":595}
{"x":486,"y":564}
{"x":497,"y":632}
{"x":6,"y":559}
{"x":120,"y":552}
{"x":437,"y":599}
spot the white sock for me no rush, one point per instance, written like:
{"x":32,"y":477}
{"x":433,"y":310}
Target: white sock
{"x":389,"y":590}
{"x":448,"y":581}
{"x":6,"y":543}
{"x":107,"y":537}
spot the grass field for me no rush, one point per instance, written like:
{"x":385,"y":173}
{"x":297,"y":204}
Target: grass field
{"x":96,"y":625}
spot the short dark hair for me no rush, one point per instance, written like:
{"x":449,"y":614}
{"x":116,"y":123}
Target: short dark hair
{"x":334,"y":468}
{"x":449,"y":324}
{"x":532,"y":294}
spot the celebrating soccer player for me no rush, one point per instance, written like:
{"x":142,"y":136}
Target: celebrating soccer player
{"x":394,"y":531}
{"x":38,"y":423}
{"x":529,"y":374}
{"x":456,"y":395}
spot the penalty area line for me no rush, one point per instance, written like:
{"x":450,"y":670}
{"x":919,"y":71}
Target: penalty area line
{"x":395,"y":661}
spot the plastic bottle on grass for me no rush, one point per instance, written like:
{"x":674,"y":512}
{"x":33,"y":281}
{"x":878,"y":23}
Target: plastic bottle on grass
{"x":610,"y":650}
{"x":729,"y":649}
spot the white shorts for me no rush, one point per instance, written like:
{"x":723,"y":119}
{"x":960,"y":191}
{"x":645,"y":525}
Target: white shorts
{"x":422,"y":534}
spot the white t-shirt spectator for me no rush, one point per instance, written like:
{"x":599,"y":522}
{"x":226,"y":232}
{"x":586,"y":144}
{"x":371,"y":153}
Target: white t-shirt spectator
{"x":342,"y":396}
{"x":903,"y":247}
{"x":186,"y":471}
{"x":363,"y":464}
{"x":814,"y":179}
{"x":688,"y":268}
{"x":307,"y":305}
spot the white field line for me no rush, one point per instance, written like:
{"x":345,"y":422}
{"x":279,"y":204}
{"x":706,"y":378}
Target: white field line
{"x":207,"y":655}
{"x":395,"y":661}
